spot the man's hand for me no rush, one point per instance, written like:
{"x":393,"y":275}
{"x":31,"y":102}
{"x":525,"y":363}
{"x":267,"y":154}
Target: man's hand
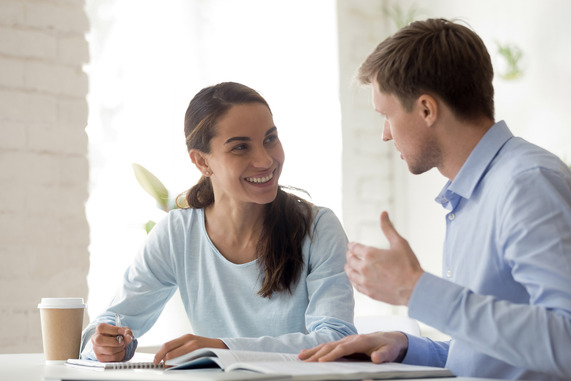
{"x":379,"y":346}
{"x":186,"y":344}
{"x":387,"y":275}
{"x":105,"y":344}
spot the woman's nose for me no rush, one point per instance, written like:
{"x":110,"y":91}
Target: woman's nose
{"x":262,"y":159}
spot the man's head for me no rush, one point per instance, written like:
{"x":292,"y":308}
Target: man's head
{"x":436,"y":57}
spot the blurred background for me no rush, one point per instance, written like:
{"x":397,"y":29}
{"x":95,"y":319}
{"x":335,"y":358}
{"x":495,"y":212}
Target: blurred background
{"x":90,"y":87}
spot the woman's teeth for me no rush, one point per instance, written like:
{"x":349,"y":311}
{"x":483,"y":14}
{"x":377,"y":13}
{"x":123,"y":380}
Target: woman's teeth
{"x":260,"y":180}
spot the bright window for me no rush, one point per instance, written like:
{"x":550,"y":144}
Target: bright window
{"x":147,"y":61}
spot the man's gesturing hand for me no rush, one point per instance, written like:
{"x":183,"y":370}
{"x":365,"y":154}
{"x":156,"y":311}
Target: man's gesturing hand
{"x":388,"y":275}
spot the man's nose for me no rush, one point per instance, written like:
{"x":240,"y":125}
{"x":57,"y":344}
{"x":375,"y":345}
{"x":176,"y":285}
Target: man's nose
{"x":387,"y":132}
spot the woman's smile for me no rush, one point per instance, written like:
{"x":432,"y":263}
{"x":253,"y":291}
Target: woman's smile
{"x":260,"y":180}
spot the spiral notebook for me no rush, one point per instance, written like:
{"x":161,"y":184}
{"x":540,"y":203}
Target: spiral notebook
{"x":138,"y":362}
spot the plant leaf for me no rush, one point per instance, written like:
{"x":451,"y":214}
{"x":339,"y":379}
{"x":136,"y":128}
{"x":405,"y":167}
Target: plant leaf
{"x":149,"y":226}
{"x":152,"y":185}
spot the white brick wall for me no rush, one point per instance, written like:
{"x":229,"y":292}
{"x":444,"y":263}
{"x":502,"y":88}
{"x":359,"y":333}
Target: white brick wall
{"x":368,"y":175}
{"x":44,"y":234}
{"x":367,"y":163}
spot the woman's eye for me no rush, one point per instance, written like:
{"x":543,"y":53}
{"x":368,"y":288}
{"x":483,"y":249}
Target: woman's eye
{"x":239,"y":147}
{"x":271,"y":139}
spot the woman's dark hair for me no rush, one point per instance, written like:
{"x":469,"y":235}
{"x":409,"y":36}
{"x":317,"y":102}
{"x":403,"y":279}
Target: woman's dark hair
{"x":288,"y":218}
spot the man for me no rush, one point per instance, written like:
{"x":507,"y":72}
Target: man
{"x":505,"y":298}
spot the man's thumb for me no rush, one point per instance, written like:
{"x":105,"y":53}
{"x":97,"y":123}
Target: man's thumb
{"x":388,"y":229}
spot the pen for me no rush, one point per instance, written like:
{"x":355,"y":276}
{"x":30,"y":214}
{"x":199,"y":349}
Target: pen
{"x":118,"y":324}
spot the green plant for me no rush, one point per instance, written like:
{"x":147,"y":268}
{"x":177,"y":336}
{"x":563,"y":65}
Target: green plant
{"x":401,"y":17}
{"x":154,"y":187}
{"x":512,"y":55}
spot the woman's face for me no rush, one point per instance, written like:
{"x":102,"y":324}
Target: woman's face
{"x":246,"y":155}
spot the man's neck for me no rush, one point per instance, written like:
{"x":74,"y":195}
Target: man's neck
{"x":458,"y":143}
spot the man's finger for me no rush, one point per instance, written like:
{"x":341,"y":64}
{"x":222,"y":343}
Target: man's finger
{"x":380,"y":356}
{"x":307,"y":353}
{"x":351,"y":259}
{"x":332,"y":355}
{"x":356,"y":250}
{"x":324,"y":352}
{"x":388,"y":229}
{"x":315,"y":354}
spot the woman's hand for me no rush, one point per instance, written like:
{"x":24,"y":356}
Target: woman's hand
{"x":186,"y":344}
{"x":106,"y":346}
{"x":379,"y":346}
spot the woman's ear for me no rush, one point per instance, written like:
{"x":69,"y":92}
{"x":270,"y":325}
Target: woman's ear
{"x":199,"y":159}
{"x":428,"y":106}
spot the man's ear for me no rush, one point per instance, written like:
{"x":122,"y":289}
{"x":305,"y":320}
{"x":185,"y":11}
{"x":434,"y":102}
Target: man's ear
{"x":428,"y":107}
{"x":199,"y":159}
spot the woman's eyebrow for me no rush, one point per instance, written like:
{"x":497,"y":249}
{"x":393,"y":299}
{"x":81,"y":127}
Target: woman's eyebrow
{"x":247,"y":139}
{"x":235,"y":138}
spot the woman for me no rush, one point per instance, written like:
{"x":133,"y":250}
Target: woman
{"x":257,"y":268}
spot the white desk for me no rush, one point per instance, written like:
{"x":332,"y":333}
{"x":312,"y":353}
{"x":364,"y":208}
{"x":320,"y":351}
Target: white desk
{"x":31,"y":367}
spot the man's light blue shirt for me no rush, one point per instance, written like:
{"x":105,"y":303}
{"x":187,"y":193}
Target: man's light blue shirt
{"x":505,"y":295}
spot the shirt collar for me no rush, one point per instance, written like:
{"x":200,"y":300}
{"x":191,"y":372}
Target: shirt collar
{"x":475,"y":166}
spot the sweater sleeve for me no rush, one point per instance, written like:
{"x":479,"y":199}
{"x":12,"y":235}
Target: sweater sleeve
{"x":147,"y":285}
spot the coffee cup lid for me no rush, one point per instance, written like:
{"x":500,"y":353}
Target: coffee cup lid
{"x":62,"y":303}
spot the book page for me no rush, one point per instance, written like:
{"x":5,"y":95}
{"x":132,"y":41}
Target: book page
{"x":229,"y":357}
{"x":336,"y":370}
{"x":225,"y":357}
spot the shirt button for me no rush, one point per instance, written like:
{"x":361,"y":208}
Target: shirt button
{"x":451,"y":216}
{"x":448,"y":273}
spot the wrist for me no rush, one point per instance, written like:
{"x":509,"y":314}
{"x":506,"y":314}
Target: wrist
{"x":403,"y":344}
{"x":406,"y":293}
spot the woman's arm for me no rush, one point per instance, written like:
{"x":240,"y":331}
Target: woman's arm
{"x":147,"y":285}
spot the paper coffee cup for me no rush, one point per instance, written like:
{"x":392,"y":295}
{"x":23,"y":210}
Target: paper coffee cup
{"x":62,"y":322}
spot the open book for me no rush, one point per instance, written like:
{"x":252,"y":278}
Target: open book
{"x":289,"y":365}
